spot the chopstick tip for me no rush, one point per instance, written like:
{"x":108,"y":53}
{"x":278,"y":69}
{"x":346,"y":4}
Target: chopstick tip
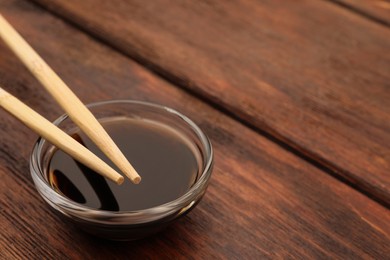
{"x":120,"y":180}
{"x":136,"y":180}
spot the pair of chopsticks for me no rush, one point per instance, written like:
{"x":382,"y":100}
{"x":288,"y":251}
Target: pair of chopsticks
{"x":71,"y":104}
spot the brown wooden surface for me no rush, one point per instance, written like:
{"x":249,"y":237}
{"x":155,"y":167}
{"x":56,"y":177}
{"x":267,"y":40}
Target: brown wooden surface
{"x":377,"y":10}
{"x":310,"y":73}
{"x":263,"y":201}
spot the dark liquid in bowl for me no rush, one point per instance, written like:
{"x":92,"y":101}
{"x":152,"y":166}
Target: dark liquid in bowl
{"x":163,"y":157}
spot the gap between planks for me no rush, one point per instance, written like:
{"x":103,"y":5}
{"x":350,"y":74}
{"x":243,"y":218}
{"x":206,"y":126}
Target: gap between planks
{"x":360,"y":12}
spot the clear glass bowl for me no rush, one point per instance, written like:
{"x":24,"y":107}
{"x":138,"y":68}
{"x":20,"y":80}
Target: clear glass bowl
{"x":125,"y":225}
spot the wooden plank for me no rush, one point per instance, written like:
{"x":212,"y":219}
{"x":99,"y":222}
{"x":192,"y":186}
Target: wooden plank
{"x":263,"y":201}
{"x":377,"y":10}
{"x":310,"y":73}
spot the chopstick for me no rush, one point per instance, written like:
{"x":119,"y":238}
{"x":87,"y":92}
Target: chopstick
{"x":56,"y":136}
{"x":66,"y":98}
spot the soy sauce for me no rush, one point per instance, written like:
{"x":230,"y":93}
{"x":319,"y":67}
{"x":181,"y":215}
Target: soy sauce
{"x":165,"y":159}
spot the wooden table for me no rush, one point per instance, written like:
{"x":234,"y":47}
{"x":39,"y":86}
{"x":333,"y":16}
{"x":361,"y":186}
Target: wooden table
{"x":295,"y":96}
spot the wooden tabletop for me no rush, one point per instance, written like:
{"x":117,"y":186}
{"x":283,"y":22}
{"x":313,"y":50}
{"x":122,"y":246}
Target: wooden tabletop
{"x":294,"y":95}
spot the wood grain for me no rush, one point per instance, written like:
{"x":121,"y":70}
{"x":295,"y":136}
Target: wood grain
{"x":263,"y":201}
{"x":309,"y":73}
{"x":377,"y":10}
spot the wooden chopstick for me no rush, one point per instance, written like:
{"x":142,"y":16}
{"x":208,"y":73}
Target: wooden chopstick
{"x":56,"y":136}
{"x":66,"y":98}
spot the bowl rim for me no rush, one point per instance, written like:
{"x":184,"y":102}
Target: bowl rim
{"x":68,"y":206}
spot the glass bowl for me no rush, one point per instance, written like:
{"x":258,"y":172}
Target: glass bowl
{"x":125,"y":225}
